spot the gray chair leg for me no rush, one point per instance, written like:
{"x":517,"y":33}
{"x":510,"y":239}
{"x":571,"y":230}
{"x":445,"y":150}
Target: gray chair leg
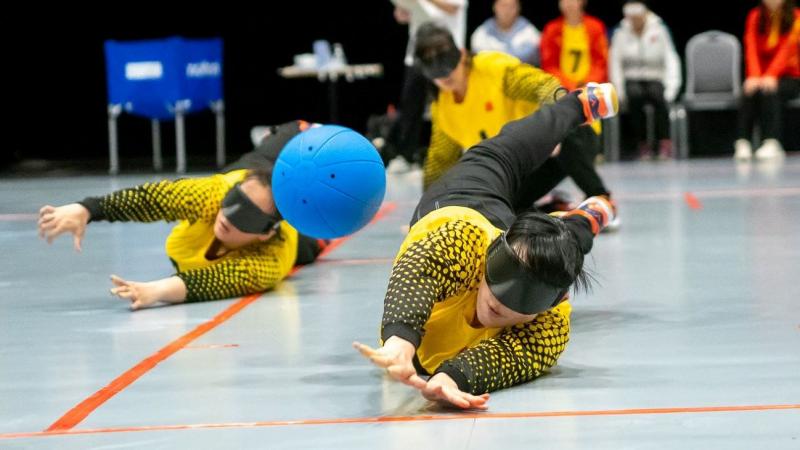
{"x":155,"y":127}
{"x":682,"y":119}
{"x":219,"y":111}
{"x":674,"y":132}
{"x":611,"y":139}
{"x":180,"y":143}
{"x":113,"y":144}
{"x":650,"y":123}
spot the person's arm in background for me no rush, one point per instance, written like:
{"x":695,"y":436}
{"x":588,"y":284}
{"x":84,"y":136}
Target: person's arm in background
{"x":525,"y":44}
{"x":598,"y":49}
{"x":787,"y":50}
{"x":450,"y":7}
{"x":481,"y":40}
{"x":615,"y":70}
{"x":401,"y":11}
{"x":673,"y":73}
{"x":752,"y":63}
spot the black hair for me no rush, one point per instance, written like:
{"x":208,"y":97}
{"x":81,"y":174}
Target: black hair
{"x":787,"y":17}
{"x":435,"y":50}
{"x":432,"y":40}
{"x":263,"y":174}
{"x":549,"y":249}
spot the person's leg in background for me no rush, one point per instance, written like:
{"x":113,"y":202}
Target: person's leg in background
{"x":771,"y":117}
{"x":635,"y":93}
{"x":655,"y":97}
{"x":747,"y":113}
{"x":403,"y":139}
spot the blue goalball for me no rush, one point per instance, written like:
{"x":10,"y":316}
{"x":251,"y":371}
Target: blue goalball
{"x":328,"y":182}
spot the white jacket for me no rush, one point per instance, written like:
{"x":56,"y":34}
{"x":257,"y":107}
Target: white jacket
{"x":649,"y":57}
{"x":522,"y":40}
{"x":423,"y":11}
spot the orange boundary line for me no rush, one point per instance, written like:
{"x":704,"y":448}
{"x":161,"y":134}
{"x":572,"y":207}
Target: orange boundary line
{"x":82,"y":410}
{"x":354,"y":261}
{"x":420,"y":418}
{"x":76,"y":415}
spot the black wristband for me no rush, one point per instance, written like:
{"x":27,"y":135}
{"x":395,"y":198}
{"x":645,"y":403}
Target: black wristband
{"x":95,"y":209}
{"x":401,"y":330}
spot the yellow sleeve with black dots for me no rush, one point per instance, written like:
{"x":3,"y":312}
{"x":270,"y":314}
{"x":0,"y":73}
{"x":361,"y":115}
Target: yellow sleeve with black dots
{"x":255,"y":268}
{"x":525,"y":82}
{"x":444,"y":263}
{"x":443,"y":153}
{"x":517,"y":355}
{"x":190,"y":199}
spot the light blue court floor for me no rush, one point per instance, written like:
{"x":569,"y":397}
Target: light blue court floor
{"x":691,"y":338}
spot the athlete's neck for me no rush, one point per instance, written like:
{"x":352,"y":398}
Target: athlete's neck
{"x":574,"y":20}
{"x":216,"y":250}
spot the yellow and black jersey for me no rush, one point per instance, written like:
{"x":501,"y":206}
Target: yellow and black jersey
{"x":500,"y":88}
{"x":195,"y":203}
{"x":431,"y":302}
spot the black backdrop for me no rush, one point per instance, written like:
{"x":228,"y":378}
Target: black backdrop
{"x":54,"y":57}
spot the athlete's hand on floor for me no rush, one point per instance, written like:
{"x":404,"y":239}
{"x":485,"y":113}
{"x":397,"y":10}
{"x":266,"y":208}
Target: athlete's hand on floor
{"x":70,"y":218}
{"x":443,"y":389}
{"x":141,"y":295}
{"x":396,"y":357}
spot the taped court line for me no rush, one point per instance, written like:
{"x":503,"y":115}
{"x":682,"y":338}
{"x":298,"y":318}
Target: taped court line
{"x":715,"y":193}
{"x":652,"y":196}
{"x":406,"y":419}
{"x":355,"y":261}
{"x":82,"y":410}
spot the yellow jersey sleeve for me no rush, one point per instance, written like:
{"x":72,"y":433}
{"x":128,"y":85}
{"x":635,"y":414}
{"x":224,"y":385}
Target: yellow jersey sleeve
{"x":190,"y":199}
{"x":444,"y":263}
{"x":517,"y":355}
{"x":255,"y":268}
{"x":525,"y":82}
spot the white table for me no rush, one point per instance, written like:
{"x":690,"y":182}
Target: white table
{"x":331,"y":75}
